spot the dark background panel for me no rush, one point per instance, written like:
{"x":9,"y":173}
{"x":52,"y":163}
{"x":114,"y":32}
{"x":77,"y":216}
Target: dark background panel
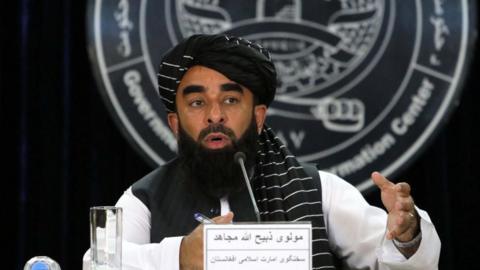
{"x":62,"y":153}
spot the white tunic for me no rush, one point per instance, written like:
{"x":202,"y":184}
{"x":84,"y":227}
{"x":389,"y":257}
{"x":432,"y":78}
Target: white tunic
{"x":356,"y":232}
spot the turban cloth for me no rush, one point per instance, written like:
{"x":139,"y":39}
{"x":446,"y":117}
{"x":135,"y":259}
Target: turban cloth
{"x":238,"y":59}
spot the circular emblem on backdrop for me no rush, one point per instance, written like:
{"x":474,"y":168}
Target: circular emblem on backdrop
{"x":364,"y":85}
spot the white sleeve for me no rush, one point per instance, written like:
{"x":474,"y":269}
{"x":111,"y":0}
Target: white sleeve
{"x":356,"y":231}
{"x":137,"y":251}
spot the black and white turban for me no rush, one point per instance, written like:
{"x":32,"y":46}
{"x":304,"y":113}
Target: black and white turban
{"x":240,"y":60}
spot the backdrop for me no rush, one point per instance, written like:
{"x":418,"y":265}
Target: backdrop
{"x":62,"y":153}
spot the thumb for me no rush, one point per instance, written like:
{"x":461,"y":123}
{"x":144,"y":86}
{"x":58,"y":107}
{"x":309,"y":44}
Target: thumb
{"x":380,"y":181}
{"x":225,"y":219}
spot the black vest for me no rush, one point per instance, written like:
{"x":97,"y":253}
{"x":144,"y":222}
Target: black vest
{"x":172,"y":201}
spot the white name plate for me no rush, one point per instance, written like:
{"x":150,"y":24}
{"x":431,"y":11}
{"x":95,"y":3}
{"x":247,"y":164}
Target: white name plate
{"x":266,"y":246}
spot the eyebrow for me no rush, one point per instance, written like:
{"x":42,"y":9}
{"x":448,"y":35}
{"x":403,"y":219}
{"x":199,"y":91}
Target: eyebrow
{"x":232,"y":87}
{"x":193,"y":89}
{"x":224,"y":87}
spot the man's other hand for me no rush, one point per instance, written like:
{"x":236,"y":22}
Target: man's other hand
{"x":191,"y":248}
{"x":403,"y":220}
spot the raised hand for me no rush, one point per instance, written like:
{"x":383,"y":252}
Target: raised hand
{"x":403,"y":221}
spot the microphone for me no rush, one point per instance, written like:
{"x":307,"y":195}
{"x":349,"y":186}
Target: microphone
{"x":240,"y":158}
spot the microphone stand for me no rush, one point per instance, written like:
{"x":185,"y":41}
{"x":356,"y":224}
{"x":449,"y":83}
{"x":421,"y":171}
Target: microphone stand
{"x":240,"y":157}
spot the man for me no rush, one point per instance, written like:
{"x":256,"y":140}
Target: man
{"x":217,"y":90}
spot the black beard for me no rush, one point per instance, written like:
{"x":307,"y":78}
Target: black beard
{"x":215,"y":171}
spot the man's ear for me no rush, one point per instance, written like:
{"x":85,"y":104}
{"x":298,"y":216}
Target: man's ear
{"x":260,"y":115}
{"x":173,"y":122}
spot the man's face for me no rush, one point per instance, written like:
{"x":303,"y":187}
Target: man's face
{"x":206,"y":98}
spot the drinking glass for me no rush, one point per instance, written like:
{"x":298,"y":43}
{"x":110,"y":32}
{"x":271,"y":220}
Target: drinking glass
{"x":106,"y":237}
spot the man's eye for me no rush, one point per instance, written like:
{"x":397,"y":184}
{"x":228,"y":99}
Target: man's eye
{"x":196,"y":103}
{"x":231,"y":100}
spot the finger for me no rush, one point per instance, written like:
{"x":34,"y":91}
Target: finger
{"x":381,"y":181}
{"x":400,"y":227}
{"x":403,"y":189}
{"x":405,"y":204}
{"x":391,"y":226}
{"x":400,"y":220}
{"x":225,"y":219}
{"x":397,"y":224}
{"x":403,"y":223}
{"x":392,"y":233}
{"x":406,"y":219}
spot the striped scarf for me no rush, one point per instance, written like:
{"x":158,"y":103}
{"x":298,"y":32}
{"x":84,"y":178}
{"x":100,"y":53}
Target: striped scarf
{"x":284,"y":191}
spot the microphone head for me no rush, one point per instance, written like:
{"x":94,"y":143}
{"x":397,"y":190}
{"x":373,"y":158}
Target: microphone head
{"x":240,"y":156}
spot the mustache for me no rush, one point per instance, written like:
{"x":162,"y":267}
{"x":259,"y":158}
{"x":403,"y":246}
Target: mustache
{"x":217,"y":128}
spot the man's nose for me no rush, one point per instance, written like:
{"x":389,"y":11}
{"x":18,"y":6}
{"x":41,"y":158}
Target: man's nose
{"x":216,"y":114}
